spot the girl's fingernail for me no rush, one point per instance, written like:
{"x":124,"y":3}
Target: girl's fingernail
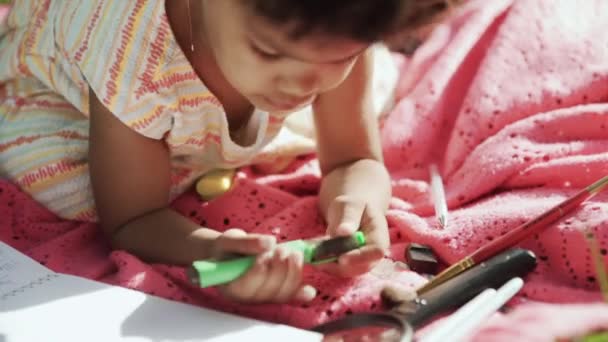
{"x":282,"y":253}
{"x":307,"y":293}
{"x":346,"y":229}
{"x":264,"y":257}
{"x":297,"y":258}
{"x":267,"y":242}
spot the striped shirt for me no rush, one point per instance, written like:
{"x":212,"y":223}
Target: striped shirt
{"x":126,"y":53}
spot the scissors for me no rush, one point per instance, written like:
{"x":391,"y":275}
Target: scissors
{"x":400,"y":322}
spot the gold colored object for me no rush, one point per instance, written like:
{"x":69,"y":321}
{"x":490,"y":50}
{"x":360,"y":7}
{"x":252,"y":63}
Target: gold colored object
{"x":448,"y":273}
{"x":600,"y":267}
{"x":215,"y":183}
{"x":598,"y":186}
{"x":517,"y":234}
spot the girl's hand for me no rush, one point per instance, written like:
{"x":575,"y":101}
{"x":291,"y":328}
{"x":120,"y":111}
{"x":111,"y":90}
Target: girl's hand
{"x":348,"y":214}
{"x":275,"y":276}
{"x":355,"y":197}
{"x":356,"y":188}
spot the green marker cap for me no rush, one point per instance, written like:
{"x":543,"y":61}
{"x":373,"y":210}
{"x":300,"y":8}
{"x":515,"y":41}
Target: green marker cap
{"x":211,"y":273}
{"x":360,"y":237}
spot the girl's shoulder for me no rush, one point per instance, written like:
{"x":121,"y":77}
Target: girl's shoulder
{"x":111,"y":36}
{"x":126,"y":54}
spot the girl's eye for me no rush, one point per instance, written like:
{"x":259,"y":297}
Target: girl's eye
{"x":271,"y":56}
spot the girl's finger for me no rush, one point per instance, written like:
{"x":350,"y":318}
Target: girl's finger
{"x":344,"y":216}
{"x":247,"y":286}
{"x":375,"y":227}
{"x":243,"y":243}
{"x":364,"y":255}
{"x":277,"y":270}
{"x":293,"y":278}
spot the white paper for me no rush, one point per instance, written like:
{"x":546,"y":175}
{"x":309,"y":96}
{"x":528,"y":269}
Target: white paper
{"x":67,"y":308}
{"x":17,"y":270}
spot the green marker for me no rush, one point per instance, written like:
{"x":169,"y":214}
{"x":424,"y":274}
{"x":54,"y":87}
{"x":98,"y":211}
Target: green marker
{"x":206,"y":273}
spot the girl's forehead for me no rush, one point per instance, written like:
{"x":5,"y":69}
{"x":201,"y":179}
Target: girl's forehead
{"x":314,"y":47}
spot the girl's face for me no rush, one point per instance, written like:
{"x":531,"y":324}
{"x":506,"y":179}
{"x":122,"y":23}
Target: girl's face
{"x":273,"y":71}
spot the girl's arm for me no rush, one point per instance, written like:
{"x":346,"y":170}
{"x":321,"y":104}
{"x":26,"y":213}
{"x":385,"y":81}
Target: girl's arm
{"x":130,"y":176}
{"x":356,"y":190}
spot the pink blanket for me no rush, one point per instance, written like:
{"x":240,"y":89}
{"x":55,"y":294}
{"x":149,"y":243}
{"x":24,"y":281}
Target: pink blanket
{"x":510,"y":98}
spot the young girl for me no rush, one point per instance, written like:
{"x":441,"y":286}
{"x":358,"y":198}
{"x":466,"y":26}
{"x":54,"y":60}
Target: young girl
{"x":110,"y":109}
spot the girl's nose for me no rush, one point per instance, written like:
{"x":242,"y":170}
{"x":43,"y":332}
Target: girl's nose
{"x":301,"y":86}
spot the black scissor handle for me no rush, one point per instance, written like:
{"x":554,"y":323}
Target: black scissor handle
{"x":493,"y":273}
{"x":454,"y":292}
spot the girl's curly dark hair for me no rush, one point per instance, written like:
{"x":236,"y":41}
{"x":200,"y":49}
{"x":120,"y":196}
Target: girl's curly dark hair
{"x":362,"y":20}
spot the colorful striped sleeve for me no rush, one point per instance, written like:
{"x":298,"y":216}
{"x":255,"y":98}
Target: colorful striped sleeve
{"x":121,"y":48}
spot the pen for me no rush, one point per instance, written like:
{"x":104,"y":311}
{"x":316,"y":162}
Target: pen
{"x":516,"y":235}
{"x":469,"y":316}
{"x":452,"y":322}
{"x":438,"y":195}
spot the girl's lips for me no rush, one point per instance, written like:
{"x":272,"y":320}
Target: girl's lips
{"x":285,"y":105}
